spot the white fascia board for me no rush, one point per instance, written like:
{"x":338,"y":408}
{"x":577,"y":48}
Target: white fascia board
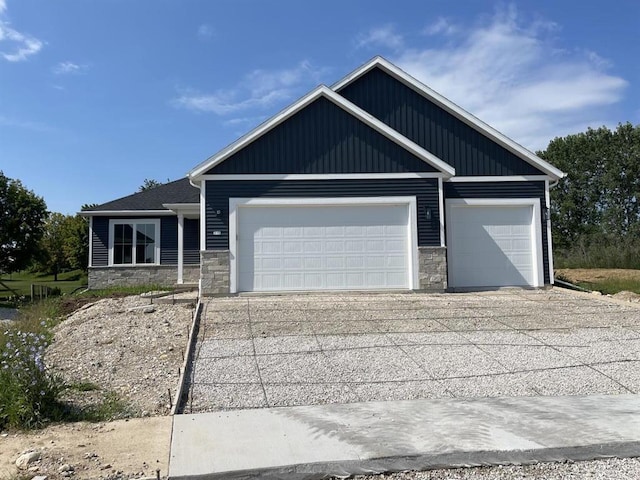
{"x":323,"y":91}
{"x":124,"y":213}
{"x":454,"y":109}
{"x":182,"y":206}
{"x":500,"y":178}
{"x":325,"y":176}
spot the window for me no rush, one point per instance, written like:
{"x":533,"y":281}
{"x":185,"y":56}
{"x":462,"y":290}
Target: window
{"x":134,"y":242}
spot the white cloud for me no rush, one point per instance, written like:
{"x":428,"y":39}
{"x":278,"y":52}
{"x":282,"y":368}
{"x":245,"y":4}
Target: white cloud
{"x":258,"y":90}
{"x":205,"y":31}
{"x":508,"y":74}
{"x":384,"y":36}
{"x":441,"y":25}
{"x":65,"y":68}
{"x":15,"y":46}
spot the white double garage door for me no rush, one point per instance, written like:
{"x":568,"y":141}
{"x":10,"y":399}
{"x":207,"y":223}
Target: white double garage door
{"x":371,"y":244}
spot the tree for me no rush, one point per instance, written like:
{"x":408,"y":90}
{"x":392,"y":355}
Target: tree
{"x":52,"y":258}
{"x":64,"y":245}
{"x":595,"y":209}
{"x":76,"y":241}
{"x":22,"y":214}
{"x":148,"y":184}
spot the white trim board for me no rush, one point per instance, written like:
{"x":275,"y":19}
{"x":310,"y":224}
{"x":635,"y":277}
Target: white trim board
{"x":324,"y":176}
{"x":547,"y":201}
{"x":499,"y":178}
{"x":453,"y":109}
{"x":347,"y":106}
{"x":125,"y":213}
{"x":536,"y":226}
{"x":235,"y":204}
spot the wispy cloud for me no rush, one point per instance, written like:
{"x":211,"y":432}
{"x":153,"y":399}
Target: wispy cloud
{"x":511,"y":75}
{"x":258,"y":90}
{"x":14,"y":45}
{"x":384,"y":36}
{"x":25,"y":124}
{"x":205,"y":31}
{"x":66,"y":68}
{"x":440,"y":26}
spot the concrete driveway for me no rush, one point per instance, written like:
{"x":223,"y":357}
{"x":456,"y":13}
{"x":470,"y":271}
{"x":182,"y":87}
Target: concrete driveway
{"x":265,"y":351}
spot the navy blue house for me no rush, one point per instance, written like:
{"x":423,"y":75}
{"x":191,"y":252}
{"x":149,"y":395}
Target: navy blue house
{"x":375,"y":183}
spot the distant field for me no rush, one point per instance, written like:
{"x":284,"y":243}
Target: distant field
{"x":605,"y":280}
{"x":20,"y":282}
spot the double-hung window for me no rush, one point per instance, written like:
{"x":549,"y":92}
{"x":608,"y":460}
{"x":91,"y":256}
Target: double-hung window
{"x":134,"y":242}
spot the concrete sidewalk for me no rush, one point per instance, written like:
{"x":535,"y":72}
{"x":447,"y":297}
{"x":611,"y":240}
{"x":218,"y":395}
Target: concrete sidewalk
{"x":345,"y":439}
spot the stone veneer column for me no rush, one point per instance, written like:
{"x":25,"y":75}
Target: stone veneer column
{"x":214,"y":272}
{"x":432,"y":268}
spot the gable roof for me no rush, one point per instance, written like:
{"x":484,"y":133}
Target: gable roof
{"x":451,"y":108}
{"x":179,"y":191}
{"x":324,"y":92}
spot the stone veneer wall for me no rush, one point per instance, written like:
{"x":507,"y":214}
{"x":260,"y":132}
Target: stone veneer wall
{"x":165,"y":275}
{"x":214,"y":272}
{"x":432,"y":268}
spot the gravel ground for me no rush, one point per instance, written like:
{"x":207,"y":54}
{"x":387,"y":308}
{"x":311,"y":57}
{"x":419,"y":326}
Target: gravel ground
{"x":124,"y":345}
{"x":608,"y":469}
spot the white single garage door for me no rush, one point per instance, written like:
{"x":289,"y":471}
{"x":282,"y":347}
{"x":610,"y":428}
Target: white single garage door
{"x":491,"y":245}
{"x":337,"y":247}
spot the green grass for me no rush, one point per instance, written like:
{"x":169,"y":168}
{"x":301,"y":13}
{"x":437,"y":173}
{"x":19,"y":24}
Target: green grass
{"x":610,"y":286}
{"x":20,"y":282}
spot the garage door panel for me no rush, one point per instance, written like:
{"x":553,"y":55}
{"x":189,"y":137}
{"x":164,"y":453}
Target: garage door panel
{"x":490,"y":245}
{"x":309,"y":248}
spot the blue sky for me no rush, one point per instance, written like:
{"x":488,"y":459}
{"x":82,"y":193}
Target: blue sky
{"x":97,"y":95}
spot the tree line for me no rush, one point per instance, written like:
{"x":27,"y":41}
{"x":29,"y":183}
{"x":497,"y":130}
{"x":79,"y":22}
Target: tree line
{"x":33,"y":238}
{"x":595,"y":209}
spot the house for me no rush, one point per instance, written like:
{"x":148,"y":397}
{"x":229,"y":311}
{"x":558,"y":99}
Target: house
{"x":377,"y":182}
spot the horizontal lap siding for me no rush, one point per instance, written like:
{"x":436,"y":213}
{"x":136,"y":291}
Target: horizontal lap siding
{"x":322,"y":138}
{"x":169,"y":241}
{"x":219,"y":192}
{"x":100,"y":242}
{"x":506,"y":190}
{"x":432,"y":127}
{"x":191,"y":241}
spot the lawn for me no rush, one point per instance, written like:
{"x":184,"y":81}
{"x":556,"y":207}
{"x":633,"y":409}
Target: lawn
{"x":20,"y":282}
{"x":605,"y":280}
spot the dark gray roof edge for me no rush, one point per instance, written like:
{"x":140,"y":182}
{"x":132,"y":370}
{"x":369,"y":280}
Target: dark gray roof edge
{"x":176,"y":191}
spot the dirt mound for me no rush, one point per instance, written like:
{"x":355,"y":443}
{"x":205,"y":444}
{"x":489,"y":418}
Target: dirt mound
{"x":126,"y":345}
{"x":594,"y":275}
{"x":627,"y":296}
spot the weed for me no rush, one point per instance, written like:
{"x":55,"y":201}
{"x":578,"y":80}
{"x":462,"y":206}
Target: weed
{"x":84,"y":386}
{"x":28,"y":391}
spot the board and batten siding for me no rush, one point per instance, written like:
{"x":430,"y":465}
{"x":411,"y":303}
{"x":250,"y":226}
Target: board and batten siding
{"x":168,"y":240}
{"x":219,"y":192}
{"x":432,"y":127}
{"x":506,"y":190}
{"x":321,"y":138}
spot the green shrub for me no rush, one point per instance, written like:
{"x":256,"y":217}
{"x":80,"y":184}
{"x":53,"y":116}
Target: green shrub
{"x":28,"y":391}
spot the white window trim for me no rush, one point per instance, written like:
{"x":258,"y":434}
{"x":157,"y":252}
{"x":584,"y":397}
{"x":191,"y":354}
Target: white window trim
{"x":90,"y":261}
{"x":235,"y":204}
{"x":536,"y":227}
{"x":113,"y":222}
